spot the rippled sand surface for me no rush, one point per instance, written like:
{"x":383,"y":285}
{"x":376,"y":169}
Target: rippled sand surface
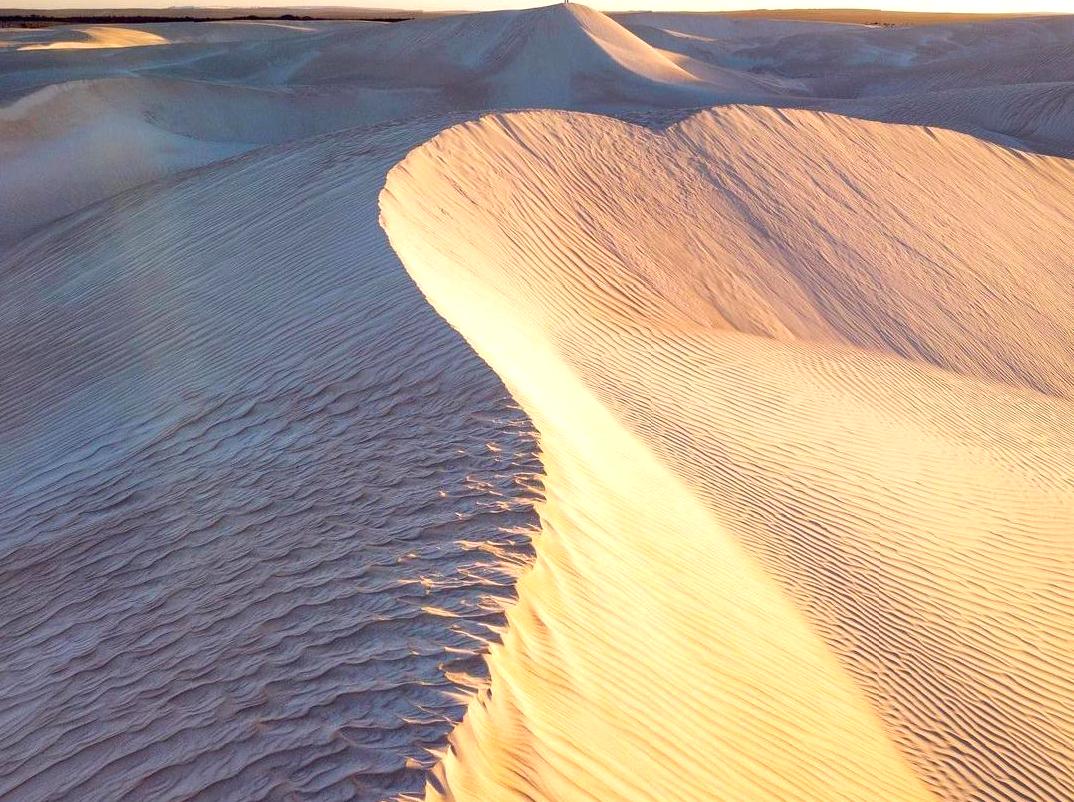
{"x":808,"y":528}
{"x":738,"y":372}
{"x":289,"y":506}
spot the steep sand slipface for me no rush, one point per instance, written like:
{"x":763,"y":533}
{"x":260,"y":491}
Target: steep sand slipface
{"x":803,"y":386}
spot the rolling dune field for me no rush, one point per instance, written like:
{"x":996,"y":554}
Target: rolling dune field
{"x":537,"y":405}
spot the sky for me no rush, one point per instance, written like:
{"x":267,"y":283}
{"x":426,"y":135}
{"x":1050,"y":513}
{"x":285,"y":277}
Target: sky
{"x":974,"y":6}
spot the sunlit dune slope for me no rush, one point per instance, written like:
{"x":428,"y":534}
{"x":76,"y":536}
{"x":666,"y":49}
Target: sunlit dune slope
{"x":92,"y":37}
{"x":803,"y":385}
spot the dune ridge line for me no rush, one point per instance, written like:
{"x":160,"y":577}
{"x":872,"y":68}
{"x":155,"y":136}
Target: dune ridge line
{"x":752,"y":345}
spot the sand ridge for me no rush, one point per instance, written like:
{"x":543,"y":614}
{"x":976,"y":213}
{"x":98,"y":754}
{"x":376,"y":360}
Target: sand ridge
{"x":824,"y":359}
{"x":801,"y":377}
{"x":100,"y":36}
{"x":77,"y":128}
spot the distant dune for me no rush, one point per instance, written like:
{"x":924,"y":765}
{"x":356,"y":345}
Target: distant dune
{"x":537,"y":405}
{"x":216,"y":12}
{"x":75,"y":132}
{"x":100,"y":36}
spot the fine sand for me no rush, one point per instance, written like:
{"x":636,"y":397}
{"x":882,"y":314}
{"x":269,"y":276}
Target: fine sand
{"x":810,"y":484}
{"x":731,"y":356}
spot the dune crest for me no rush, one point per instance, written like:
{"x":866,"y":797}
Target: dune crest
{"x":804,"y":386}
{"x":220,"y":583}
{"x":778,"y":360}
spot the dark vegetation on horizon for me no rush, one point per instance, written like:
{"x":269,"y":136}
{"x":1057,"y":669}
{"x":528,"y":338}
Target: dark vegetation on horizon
{"x":46,"y":20}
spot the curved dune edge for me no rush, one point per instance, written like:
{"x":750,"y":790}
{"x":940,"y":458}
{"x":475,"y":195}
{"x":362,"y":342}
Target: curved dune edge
{"x":220,"y":583}
{"x":807,"y":533}
{"x":92,"y":37}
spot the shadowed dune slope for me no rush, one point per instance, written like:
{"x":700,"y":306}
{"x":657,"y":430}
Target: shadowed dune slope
{"x":1005,"y":80}
{"x":803,"y":385}
{"x":73,"y":144}
{"x":260,"y":505}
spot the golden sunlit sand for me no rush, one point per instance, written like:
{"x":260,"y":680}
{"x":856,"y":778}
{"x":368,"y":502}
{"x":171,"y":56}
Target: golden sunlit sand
{"x":538,"y":405}
{"x":100,"y":36}
{"x":756,"y":536}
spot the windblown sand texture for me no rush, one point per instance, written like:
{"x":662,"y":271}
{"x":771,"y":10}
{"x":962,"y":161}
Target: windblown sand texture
{"x":733,"y":357}
{"x":810,"y":485}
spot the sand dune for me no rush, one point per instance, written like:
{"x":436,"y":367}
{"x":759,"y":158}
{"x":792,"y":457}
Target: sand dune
{"x":801,"y":381}
{"x":1005,"y":80}
{"x":97,"y":36}
{"x":809,"y":480}
{"x":560,"y":56}
{"x":79,"y":128}
{"x":70,"y":144}
{"x":73,"y":144}
{"x":67,"y":37}
{"x":221,"y":582}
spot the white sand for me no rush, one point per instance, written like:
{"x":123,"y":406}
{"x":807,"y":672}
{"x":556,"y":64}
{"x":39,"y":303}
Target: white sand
{"x":79,"y":128}
{"x":773,"y":566}
{"x":253,"y":493}
{"x":802,"y":384}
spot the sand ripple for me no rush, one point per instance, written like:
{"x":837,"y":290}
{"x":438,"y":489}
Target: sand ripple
{"x":803,"y":387}
{"x":261,"y":507}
